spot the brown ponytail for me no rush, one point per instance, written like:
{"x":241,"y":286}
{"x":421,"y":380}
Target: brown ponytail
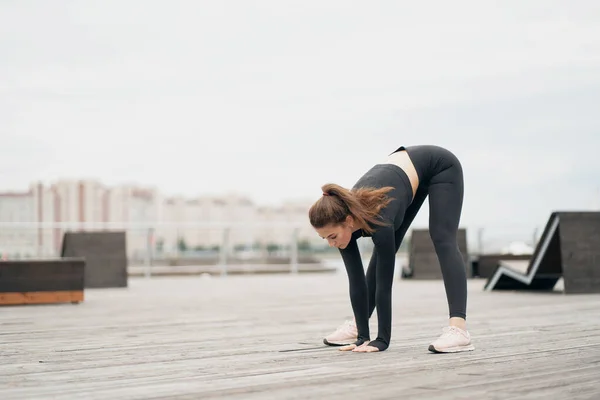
{"x":337,"y":203}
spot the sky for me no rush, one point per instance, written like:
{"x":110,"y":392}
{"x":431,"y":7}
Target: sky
{"x":272,"y":99}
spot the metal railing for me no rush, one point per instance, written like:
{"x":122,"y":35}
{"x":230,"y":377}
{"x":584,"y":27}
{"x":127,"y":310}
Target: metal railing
{"x":165,"y":244}
{"x":224,"y":246}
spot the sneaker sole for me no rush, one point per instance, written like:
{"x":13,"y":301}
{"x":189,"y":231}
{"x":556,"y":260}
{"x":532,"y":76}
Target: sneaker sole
{"x":457,"y":349}
{"x":328,"y":343}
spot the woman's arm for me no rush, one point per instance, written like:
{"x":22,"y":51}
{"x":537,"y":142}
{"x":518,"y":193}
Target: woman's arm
{"x":385,"y":244}
{"x":358,"y":289}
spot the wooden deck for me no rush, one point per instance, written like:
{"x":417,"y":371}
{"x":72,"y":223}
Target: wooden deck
{"x":259,"y":337}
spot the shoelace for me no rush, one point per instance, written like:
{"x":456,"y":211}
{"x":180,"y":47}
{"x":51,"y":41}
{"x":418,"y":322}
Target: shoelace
{"x":450,"y":331}
{"x":346,"y":325}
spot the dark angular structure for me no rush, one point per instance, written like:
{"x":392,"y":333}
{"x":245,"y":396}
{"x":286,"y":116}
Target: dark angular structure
{"x":105,"y":254}
{"x":422,"y":260}
{"x":569,"y":248}
{"x":485,"y":265}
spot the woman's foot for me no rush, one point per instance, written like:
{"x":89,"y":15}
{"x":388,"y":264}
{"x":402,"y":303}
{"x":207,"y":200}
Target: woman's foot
{"x":452,"y":340}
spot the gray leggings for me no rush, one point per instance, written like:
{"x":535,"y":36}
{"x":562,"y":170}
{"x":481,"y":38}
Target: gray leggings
{"x":445,"y":189}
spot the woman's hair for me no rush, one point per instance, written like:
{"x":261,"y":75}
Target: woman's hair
{"x":337,"y":203}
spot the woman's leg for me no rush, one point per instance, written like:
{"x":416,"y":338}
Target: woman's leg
{"x":445,"y":203}
{"x":409,"y":216}
{"x":445,"y":207}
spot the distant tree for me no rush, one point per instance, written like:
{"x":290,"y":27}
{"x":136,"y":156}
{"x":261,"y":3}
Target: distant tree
{"x":182,"y":245}
{"x":272,"y":247}
{"x":304,"y":245}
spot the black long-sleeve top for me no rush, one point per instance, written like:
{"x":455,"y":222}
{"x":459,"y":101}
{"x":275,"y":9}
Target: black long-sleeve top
{"x":385,"y":247}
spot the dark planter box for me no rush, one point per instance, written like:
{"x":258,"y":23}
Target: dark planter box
{"x":42,"y":281}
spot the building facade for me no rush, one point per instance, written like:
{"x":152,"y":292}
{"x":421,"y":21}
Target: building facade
{"x":34,"y":221}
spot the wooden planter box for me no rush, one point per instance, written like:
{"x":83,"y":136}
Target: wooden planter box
{"x":42,"y":281}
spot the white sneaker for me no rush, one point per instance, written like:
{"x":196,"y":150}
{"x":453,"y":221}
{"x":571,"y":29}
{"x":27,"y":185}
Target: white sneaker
{"x":452,"y":340}
{"x":345,"y":334}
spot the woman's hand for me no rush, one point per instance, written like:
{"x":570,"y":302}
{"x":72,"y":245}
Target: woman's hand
{"x":349,"y":347}
{"x":360,"y":346}
{"x":359,"y":342}
{"x":365,"y":348}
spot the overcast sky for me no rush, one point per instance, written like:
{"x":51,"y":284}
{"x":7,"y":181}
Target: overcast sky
{"x":272,"y":99}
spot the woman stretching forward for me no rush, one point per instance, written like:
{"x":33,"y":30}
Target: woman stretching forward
{"x":382,"y":205}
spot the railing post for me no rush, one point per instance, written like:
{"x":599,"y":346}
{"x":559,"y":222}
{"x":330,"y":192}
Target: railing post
{"x":294,"y":251}
{"x":223,"y":252}
{"x":177,"y":244}
{"x":149,"y":249}
{"x":39,"y":238}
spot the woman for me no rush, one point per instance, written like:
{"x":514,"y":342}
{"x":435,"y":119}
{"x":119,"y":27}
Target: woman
{"x":382,"y":205}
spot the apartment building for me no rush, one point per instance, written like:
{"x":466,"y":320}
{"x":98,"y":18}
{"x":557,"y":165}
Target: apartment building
{"x":280,"y":223}
{"x":206,"y":222}
{"x":18,"y":235}
{"x":296,"y":213}
{"x":135,"y":210}
{"x":69,"y":205}
{"x":80,"y":203}
{"x":33,"y":222}
{"x":241,"y":213}
{"x":47,"y":215}
{"x":169,"y":225}
{"x":172,"y":232}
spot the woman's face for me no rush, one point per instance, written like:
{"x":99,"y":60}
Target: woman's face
{"x":338,"y":235}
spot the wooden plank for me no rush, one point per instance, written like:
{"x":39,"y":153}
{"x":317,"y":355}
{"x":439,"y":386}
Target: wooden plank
{"x":41,"y":297}
{"x":259,"y":336}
